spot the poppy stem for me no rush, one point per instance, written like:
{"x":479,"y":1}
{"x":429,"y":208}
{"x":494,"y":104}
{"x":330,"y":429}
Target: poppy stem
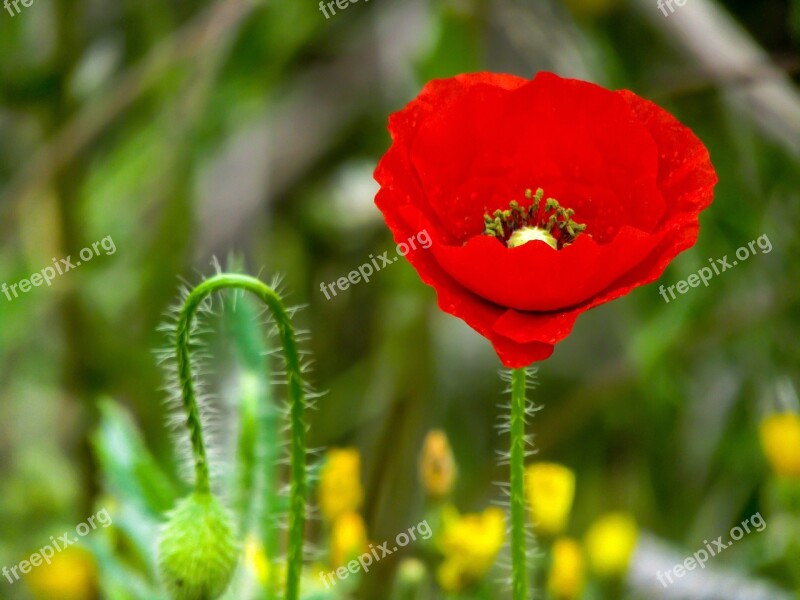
{"x":519,"y":553}
{"x":297,"y":404}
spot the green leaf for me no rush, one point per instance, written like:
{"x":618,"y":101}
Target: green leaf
{"x":130,"y":473}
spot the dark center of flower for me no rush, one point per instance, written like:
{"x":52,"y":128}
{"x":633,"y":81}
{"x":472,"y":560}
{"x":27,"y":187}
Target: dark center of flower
{"x":544,"y":221}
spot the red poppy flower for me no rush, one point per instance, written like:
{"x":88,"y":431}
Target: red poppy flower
{"x":627,"y":180}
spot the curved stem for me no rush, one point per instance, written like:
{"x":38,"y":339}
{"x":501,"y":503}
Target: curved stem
{"x":296,"y":399}
{"x":519,"y":572}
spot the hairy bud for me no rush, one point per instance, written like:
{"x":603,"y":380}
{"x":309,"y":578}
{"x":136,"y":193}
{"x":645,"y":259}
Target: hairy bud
{"x":198,"y":551}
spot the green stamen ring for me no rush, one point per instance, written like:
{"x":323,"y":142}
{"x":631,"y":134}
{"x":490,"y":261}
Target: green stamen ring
{"x":544,"y":221}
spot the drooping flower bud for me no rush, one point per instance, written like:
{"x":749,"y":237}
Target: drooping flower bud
{"x":437,"y":467}
{"x":198,"y":551}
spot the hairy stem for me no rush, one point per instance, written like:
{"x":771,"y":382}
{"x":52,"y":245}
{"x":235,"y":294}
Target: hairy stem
{"x":297,"y":402}
{"x":519,"y":572}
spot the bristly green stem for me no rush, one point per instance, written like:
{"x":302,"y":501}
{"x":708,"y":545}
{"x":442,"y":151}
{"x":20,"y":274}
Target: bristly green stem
{"x":519,"y":554}
{"x":297,"y":402}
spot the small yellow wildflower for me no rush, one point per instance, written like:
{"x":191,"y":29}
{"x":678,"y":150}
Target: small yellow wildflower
{"x":550,"y":489}
{"x":610,"y":543}
{"x":567,"y":572}
{"x":437,"y":466}
{"x":348,"y":539}
{"x":71,"y":575}
{"x":255,"y":559}
{"x":470,"y":544}
{"x":780,"y":439}
{"x":340,"y":483}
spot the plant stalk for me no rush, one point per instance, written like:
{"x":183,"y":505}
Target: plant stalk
{"x":297,"y":400}
{"x":519,"y":554}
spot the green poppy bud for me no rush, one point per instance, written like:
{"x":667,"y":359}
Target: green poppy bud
{"x":198,"y":551}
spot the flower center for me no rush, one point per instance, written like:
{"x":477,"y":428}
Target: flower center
{"x":544,"y":221}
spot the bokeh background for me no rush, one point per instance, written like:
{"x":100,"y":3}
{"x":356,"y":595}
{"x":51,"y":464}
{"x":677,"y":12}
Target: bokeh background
{"x":248,"y":131}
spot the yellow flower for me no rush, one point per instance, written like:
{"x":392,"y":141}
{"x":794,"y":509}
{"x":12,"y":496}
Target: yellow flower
{"x":256,"y":559}
{"x":71,"y":575}
{"x":610,"y":543}
{"x":348,"y":539}
{"x":436,"y":465}
{"x":269,"y":574}
{"x":550,"y":489}
{"x":470,"y":544}
{"x":340,"y":483}
{"x":780,"y":439}
{"x":567,"y":571}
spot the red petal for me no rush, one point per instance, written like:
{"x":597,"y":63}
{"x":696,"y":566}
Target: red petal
{"x":551,"y":133}
{"x":535,"y":277}
{"x":475,"y":142}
